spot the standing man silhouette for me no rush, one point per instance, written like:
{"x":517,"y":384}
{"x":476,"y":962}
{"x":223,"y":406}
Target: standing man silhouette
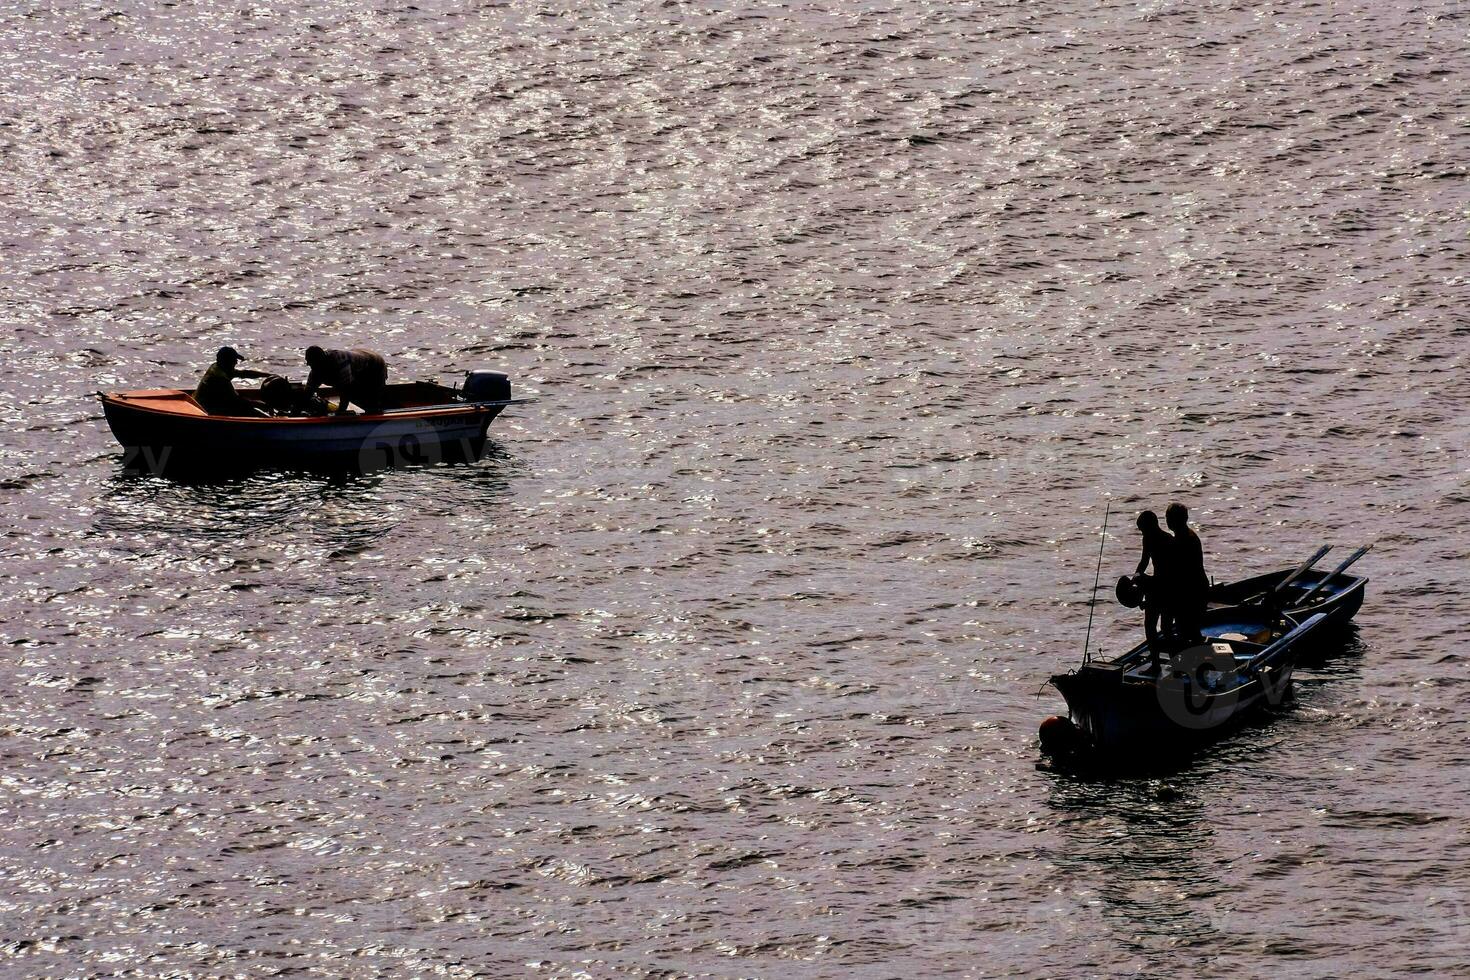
{"x":1192,"y":592}
{"x":1158,"y":589}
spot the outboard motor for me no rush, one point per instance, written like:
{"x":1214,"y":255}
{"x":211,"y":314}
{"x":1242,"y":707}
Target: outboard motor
{"x":1064,"y":742}
{"x":485,"y":386}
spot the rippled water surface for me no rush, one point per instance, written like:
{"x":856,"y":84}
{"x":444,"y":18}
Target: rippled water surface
{"x":847,"y":320}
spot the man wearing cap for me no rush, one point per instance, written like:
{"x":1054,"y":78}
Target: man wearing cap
{"x":216,"y":393}
{"x":358,"y":376}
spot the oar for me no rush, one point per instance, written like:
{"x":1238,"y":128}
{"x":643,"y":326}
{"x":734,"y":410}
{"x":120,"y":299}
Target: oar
{"x":1300,"y":569}
{"x":1333,"y":574}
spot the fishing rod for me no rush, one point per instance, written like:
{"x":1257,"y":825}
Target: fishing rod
{"x":1096,"y":577}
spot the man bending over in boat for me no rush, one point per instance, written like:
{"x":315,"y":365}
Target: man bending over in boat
{"x":1159,"y":590}
{"x":1192,"y":588}
{"x":358,"y":376}
{"x":216,"y":393}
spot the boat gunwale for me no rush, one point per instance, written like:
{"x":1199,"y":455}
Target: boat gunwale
{"x":1349,"y":583}
{"x":1264,"y":655}
{"x":126,"y":400}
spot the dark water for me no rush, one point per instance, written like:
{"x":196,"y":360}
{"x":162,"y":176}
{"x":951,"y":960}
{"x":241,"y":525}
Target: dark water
{"x":847,"y":321}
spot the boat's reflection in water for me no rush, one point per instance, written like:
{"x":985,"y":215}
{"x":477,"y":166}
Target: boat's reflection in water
{"x":1340,"y":655}
{"x":340,"y":508}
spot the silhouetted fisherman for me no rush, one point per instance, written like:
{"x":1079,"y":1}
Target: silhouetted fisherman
{"x":1192,"y":584}
{"x":1158,"y":589}
{"x":358,"y":376}
{"x":216,"y":392}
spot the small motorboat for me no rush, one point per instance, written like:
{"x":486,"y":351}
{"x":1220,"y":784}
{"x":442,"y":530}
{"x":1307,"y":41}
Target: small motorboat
{"x":423,"y":423}
{"x":1244,"y":663}
{"x":1134,"y":706}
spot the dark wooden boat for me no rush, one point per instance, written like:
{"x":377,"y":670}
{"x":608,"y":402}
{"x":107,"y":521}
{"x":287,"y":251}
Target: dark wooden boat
{"x":422,"y":423}
{"x":1338,"y":594}
{"x":1254,"y":632}
{"x":1130,"y":702}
